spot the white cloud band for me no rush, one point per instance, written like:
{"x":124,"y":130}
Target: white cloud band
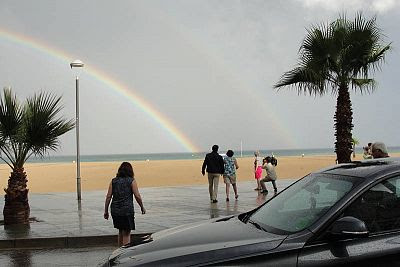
{"x":380,"y":6}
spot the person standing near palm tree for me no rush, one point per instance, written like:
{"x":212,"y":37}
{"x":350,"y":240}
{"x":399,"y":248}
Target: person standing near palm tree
{"x":354,"y":142}
{"x":339,"y":56}
{"x":366,"y":154}
{"x":379,"y":150}
{"x":27,"y":129}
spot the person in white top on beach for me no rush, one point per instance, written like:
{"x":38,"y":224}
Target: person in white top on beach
{"x":271,"y":175}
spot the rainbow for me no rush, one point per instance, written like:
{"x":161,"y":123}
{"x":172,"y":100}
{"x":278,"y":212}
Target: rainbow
{"x":275,"y":122}
{"x":107,"y":80}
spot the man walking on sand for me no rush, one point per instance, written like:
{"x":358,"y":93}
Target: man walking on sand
{"x":215,"y":168}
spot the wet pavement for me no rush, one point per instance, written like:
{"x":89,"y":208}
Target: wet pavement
{"x":93,"y":256}
{"x":61,"y":215}
{"x":68,"y":233}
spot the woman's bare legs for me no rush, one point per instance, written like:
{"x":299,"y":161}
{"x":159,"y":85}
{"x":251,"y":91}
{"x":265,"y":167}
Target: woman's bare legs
{"x":258,"y":184}
{"x":124,"y":237}
{"x":227,"y":191}
{"x":235,"y":190}
{"x":119,"y":238}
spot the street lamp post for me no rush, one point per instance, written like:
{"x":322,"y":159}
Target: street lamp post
{"x":77,"y":64}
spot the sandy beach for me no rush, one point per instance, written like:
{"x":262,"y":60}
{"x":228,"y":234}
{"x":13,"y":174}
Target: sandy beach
{"x":61,"y":177}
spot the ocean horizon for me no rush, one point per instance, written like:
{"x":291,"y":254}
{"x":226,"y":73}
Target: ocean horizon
{"x":188,"y":155}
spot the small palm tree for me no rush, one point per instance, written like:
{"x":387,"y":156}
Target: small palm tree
{"x":354,"y":142}
{"x":25,"y":130}
{"x":333,"y":58}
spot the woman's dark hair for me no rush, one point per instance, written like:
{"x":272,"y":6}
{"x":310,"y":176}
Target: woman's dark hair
{"x":229,"y":153}
{"x":125,"y":170}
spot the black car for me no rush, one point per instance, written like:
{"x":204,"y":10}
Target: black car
{"x":345,"y":214}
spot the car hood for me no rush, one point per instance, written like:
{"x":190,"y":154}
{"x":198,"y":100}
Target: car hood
{"x":212,"y":241}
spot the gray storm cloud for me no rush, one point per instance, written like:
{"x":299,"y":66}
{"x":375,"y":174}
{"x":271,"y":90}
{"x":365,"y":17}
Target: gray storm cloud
{"x":207,"y":66}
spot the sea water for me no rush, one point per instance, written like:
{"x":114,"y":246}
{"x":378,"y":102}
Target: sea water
{"x":197,"y":155}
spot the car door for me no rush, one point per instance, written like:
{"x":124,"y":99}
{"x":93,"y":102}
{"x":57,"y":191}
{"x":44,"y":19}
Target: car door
{"x":379,"y":208}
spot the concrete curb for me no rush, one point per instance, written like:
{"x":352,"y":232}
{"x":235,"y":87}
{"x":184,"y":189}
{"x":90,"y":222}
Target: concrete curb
{"x":65,"y":241}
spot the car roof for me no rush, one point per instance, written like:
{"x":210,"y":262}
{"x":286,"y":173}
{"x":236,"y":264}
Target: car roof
{"x":365,"y":168}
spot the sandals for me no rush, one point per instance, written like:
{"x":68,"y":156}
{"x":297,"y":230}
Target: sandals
{"x":236,"y":197}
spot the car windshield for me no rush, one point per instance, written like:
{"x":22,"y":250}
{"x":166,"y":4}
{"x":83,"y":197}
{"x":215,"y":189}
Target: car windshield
{"x":300,"y":205}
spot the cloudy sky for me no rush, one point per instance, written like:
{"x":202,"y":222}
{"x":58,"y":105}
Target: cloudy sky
{"x":178,"y":76}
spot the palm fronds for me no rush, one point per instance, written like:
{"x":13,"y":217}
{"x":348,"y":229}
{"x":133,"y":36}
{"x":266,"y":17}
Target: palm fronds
{"x":31,"y":128}
{"x":334,"y":57}
{"x":335,"y":54}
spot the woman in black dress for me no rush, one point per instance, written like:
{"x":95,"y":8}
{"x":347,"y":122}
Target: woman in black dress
{"x":121,"y":190}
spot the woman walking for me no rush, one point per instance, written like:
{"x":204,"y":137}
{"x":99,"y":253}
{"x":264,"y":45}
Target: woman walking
{"x":121,"y":190}
{"x":230,"y":165}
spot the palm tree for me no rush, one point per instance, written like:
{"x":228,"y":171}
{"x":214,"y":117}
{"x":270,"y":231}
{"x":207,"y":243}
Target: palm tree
{"x":354,"y":142}
{"x":26,"y":130}
{"x":333,"y":58}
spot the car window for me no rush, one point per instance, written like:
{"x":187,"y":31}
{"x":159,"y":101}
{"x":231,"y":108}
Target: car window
{"x":379,"y":207}
{"x":303,"y":203}
{"x":320,"y":194}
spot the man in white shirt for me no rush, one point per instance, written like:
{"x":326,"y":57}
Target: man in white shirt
{"x":271,"y":175}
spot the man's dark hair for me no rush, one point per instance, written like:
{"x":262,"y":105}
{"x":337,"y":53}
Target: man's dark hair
{"x":215,"y":148}
{"x":229,"y":153}
{"x":271,"y":160}
{"x":125,"y":170}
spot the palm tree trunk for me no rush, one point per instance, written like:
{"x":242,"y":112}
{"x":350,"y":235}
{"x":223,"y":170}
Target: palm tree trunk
{"x":343,"y":125}
{"x":16,"y":208}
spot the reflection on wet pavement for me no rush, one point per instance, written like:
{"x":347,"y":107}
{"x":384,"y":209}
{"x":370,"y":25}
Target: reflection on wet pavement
{"x":60,"y":214}
{"x":80,"y":214}
{"x":20,"y":258}
{"x":55,"y":257}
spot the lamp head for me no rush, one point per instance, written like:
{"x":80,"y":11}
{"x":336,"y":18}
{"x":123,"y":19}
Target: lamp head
{"x":76,"y":64}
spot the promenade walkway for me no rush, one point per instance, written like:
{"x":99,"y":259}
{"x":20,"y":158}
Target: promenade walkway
{"x":60,"y":221}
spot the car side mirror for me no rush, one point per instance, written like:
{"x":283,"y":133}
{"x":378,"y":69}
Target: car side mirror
{"x":348,"y":227}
